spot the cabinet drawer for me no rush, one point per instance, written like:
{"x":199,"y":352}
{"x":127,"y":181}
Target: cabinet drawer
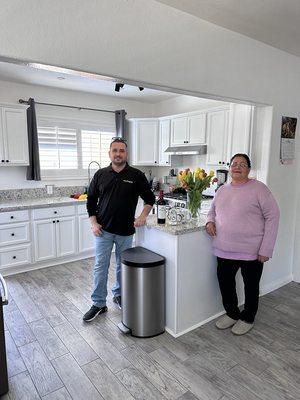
{"x":14,"y":216}
{"x":15,"y":256}
{"x":53,"y":212}
{"x":82,"y":208}
{"x":14,"y":234}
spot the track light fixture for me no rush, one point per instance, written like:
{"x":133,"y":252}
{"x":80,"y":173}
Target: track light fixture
{"x":141,"y":88}
{"x":118,"y":86}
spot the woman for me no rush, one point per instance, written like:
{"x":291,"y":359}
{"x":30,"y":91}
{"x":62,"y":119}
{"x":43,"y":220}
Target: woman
{"x":243,"y":221}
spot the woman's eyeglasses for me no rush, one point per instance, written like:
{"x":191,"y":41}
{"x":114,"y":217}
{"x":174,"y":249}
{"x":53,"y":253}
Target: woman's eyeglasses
{"x":242,"y":165}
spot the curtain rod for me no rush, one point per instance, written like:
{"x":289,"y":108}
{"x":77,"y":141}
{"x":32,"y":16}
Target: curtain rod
{"x":21,"y":101}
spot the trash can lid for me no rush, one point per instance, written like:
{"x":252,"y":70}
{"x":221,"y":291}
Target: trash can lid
{"x":140,"y":257}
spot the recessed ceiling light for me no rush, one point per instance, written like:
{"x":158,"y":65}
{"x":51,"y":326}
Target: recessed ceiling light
{"x":61,"y":78}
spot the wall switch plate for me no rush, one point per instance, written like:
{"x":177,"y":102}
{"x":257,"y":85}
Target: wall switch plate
{"x":49,"y":189}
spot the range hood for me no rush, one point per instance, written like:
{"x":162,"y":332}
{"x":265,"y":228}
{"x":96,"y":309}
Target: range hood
{"x":187,"y":150}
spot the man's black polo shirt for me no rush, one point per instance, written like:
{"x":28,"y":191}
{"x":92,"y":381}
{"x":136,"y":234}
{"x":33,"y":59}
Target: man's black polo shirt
{"x":113,"y":196}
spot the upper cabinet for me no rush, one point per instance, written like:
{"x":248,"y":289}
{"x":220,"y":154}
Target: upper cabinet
{"x":13,"y":136}
{"x":164,"y":141}
{"x":144,"y":141}
{"x":228,"y":133}
{"x":188,"y":129}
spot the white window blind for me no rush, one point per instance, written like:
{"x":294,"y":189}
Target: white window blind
{"x":58,"y":148}
{"x":95,"y":147}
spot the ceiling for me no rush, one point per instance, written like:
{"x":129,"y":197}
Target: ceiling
{"x":72,"y":80}
{"x":274,"y":22}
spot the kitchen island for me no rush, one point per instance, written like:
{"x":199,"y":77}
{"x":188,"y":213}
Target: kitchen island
{"x":192,"y":291}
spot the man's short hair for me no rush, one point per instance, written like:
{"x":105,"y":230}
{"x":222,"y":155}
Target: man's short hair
{"x":118,"y":139}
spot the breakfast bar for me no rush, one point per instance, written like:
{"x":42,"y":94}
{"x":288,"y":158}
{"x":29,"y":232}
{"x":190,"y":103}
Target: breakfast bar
{"x":192,"y":292}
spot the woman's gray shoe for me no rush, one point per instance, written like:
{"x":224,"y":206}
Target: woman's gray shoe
{"x":225,"y":322}
{"x":93,"y":312}
{"x":241,"y":327}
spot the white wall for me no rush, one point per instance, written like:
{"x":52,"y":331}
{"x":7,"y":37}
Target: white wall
{"x":148,"y":42}
{"x":183,"y":104}
{"x":15,"y":177}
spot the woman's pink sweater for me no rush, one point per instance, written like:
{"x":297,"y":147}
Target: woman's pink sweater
{"x":246,"y":218}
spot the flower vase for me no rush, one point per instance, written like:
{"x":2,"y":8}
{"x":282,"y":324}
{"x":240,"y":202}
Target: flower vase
{"x":194,"y":203}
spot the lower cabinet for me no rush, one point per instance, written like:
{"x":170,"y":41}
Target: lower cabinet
{"x":54,"y":238}
{"x":85,"y":235}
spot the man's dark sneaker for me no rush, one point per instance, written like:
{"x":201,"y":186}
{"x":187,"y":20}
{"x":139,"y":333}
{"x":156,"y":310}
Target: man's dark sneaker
{"x":93,"y":312}
{"x":117,"y":300}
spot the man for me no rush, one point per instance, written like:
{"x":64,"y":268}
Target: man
{"x":243,"y":221}
{"x":111,"y":204}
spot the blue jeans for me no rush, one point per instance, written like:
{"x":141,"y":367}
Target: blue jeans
{"x":103,"y":248}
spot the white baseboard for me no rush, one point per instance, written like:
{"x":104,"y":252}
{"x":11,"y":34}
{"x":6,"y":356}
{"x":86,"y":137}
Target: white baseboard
{"x":270,"y":287}
{"x":49,"y":263}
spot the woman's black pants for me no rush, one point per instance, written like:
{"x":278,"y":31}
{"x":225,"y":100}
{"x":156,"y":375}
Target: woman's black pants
{"x":251,"y":273}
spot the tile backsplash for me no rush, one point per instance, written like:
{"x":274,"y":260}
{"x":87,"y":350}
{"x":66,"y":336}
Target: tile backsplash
{"x":18,"y":194}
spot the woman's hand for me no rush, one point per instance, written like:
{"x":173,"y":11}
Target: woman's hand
{"x":211,"y":228}
{"x":262,"y":259}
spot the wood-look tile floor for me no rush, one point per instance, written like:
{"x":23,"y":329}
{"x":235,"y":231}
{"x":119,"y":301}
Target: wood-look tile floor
{"x":53,"y":355}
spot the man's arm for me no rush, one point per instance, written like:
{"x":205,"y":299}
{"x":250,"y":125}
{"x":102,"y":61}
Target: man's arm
{"x":141,"y":219}
{"x":91,"y":205}
{"x":148,"y":197}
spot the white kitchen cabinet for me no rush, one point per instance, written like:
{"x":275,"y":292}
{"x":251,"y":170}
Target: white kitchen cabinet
{"x":188,"y":130}
{"x":86,"y":237}
{"x":13,"y":136}
{"x":54,"y":238}
{"x":144,"y":141}
{"x":228,"y":133}
{"x":217,"y":137}
{"x":164,"y":141}
{"x":179,"y":131}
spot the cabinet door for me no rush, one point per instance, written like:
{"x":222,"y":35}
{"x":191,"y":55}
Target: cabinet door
{"x":240,"y":131}
{"x":217,"y":136}
{"x":65,"y":236}
{"x":44,"y":239}
{"x":196,"y":129}
{"x":15,"y":136}
{"x":86,"y":237}
{"x":164,"y":141}
{"x":147,"y":142}
{"x":179,"y":127}
{"x":2,"y":154}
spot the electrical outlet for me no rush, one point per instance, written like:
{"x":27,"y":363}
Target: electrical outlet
{"x":49,"y":189}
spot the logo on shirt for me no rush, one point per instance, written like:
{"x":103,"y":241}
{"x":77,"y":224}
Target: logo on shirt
{"x":125,"y":180}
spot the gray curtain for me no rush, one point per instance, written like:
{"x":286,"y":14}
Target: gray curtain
{"x":120,"y":122}
{"x":33,"y":170}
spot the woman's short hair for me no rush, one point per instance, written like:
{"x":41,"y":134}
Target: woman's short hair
{"x":245,"y":156}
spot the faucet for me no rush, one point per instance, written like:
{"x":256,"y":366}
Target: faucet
{"x":89,"y":170}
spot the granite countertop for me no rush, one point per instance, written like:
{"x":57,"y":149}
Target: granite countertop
{"x":42,"y":202}
{"x":180,"y":229}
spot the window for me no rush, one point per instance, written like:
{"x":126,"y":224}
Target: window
{"x":66,"y":150}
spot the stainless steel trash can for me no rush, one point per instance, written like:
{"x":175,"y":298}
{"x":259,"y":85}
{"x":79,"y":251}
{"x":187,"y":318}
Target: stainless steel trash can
{"x":143,"y":292}
{"x":3,"y":365}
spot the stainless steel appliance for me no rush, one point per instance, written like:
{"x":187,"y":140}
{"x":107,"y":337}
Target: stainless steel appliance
{"x":221,"y":175}
{"x":3,"y":362}
{"x":143,"y":292}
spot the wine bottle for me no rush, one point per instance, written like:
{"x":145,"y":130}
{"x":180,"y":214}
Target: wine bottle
{"x":161,"y":208}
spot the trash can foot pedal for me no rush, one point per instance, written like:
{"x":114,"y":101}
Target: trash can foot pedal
{"x":123,"y":328}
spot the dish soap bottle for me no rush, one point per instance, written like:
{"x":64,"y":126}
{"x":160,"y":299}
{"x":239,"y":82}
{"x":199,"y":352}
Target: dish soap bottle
{"x":161,"y":208}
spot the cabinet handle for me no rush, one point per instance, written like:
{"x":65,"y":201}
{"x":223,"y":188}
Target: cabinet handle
{"x":11,"y":217}
{"x":155,"y":162}
{"x":53,"y":222}
{"x":14,"y":257}
{"x":2,"y":160}
{"x":167,"y":162}
{"x":7,"y":160}
{"x":223,"y":162}
{"x":228,"y":164}
{"x":55,"y":212}
{"x":220,"y":162}
{"x":57,"y":221}
{"x":12,"y":234}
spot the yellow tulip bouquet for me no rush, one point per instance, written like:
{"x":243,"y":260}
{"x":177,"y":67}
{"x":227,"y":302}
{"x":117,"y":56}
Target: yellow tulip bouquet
{"x":194,"y":183}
